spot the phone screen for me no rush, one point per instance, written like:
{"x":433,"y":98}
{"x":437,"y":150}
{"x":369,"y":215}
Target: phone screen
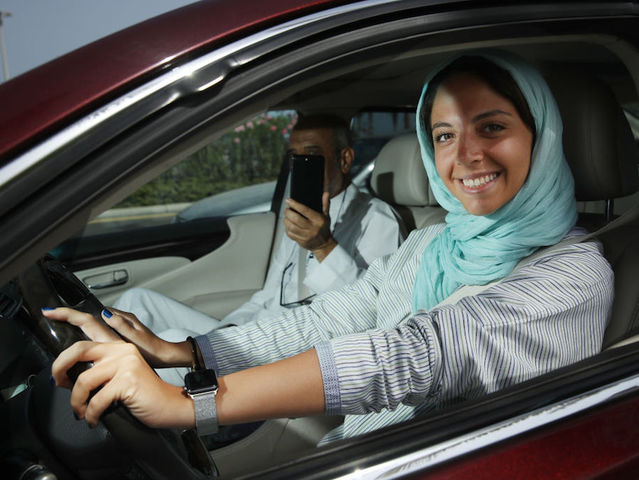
{"x":307,"y":180}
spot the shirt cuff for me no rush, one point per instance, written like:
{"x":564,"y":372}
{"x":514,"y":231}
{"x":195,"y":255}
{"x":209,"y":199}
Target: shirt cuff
{"x":207,"y":352}
{"x":332,"y":397}
{"x":338,"y":268}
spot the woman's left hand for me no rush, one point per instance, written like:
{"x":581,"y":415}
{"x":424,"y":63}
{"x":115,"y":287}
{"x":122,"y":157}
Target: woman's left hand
{"x":96,"y":331}
{"x":158,"y":352}
{"x":123,"y":375}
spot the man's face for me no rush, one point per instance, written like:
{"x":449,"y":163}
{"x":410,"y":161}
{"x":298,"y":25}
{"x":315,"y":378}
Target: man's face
{"x":320,"y":142}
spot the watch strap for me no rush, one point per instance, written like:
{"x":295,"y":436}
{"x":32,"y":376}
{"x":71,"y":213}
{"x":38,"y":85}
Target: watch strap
{"x":205,"y":413}
{"x":195,"y":364}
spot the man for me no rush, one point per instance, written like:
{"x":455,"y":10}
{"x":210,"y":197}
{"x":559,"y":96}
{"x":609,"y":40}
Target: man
{"x":325,"y":250}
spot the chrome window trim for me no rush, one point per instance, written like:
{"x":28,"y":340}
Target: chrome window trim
{"x":181,"y":80}
{"x":442,"y":452}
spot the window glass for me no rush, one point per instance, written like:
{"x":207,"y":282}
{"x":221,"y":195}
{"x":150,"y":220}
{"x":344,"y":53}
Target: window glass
{"x":371,"y":130}
{"x":233,"y":175}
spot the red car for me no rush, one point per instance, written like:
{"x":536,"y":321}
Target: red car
{"x":99,"y":150}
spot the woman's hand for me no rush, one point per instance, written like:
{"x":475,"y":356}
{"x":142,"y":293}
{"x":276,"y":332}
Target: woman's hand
{"x":93,"y":329}
{"x":159,"y":353}
{"x":118,"y":367}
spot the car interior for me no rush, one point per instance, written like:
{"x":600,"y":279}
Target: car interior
{"x":215,"y":264}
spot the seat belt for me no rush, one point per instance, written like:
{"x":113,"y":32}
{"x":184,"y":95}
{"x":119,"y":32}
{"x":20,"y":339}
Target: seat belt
{"x":470,"y":290}
{"x":302,"y":290}
{"x":623,"y":219}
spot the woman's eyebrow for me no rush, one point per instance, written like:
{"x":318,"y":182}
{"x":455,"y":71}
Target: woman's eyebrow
{"x":440,"y":125}
{"x":490,"y":113}
{"x":475,"y":119}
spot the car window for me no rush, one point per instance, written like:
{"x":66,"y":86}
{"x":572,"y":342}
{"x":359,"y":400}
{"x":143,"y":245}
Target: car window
{"x":233,"y":175}
{"x":371,"y":130}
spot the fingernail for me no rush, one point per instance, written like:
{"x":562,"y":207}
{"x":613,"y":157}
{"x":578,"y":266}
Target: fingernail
{"x":44,"y":309}
{"x":52,"y":381}
{"x":107,"y":313}
{"x":75,"y":415}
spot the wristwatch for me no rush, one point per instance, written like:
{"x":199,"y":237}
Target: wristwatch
{"x":201,"y":386}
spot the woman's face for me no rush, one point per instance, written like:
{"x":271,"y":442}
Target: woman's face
{"x":482,"y":146}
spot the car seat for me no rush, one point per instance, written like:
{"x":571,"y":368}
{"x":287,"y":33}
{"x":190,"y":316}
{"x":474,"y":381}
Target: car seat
{"x":399,"y":178}
{"x":602,"y":153}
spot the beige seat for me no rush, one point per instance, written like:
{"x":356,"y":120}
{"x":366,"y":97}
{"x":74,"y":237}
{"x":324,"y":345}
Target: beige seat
{"x":598,"y":142}
{"x":399,"y":178}
{"x":603,"y":156}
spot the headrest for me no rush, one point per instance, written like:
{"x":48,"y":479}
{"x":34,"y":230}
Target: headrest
{"x":598,"y":142}
{"x":399,"y":176}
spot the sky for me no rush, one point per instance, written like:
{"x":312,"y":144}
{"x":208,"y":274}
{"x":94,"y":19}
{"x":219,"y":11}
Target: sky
{"x":40,"y":30}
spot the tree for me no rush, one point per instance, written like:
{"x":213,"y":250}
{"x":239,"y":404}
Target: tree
{"x":250,"y":153}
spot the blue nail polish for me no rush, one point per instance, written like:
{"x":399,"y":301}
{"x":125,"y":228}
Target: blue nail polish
{"x":75,"y":415}
{"x":52,"y":381}
{"x":47,"y":308}
{"x":107,"y":313}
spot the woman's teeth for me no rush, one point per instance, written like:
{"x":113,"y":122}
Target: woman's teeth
{"x":478,"y":182}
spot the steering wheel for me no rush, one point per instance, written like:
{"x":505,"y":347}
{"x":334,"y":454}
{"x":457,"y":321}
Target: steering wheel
{"x":160,"y":453}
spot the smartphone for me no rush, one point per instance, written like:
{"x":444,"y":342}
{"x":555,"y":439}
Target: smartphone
{"x":307,"y":180}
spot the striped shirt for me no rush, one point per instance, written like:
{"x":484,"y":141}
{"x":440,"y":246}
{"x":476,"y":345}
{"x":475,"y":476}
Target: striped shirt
{"x":381,"y":364}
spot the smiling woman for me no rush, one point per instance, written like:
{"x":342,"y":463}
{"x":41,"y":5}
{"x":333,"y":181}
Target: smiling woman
{"x":477,"y":133}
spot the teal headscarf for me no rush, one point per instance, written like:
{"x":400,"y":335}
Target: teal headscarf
{"x":475,"y":250}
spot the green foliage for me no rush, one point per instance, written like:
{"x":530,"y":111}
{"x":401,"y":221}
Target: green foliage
{"x":251,"y":153}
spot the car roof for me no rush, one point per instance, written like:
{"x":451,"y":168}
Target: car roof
{"x":52,"y":95}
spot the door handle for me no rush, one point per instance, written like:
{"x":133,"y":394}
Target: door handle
{"x":106,"y":280}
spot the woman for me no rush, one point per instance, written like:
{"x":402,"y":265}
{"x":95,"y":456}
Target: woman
{"x":415,"y":333}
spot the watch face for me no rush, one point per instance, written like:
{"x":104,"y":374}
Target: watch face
{"x":200,"y":381}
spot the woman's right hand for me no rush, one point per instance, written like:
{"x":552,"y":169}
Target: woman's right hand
{"x":124,"y":376}
{"x":157,"y":352}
